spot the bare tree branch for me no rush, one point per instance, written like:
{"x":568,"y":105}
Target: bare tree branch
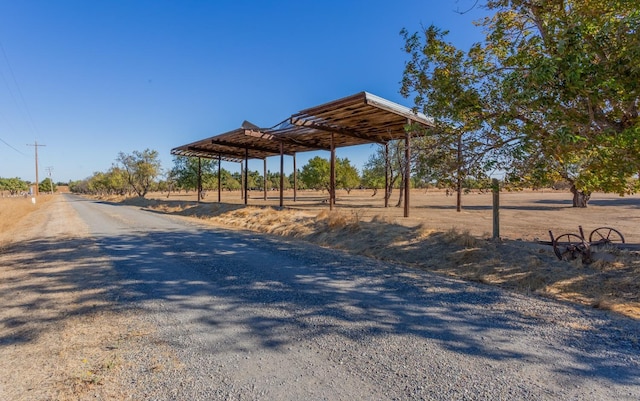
{"x":469,"y":9}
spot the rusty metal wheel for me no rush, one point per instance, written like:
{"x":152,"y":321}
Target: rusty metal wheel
{"x":605,"y":235}
{"x":570,"y":247}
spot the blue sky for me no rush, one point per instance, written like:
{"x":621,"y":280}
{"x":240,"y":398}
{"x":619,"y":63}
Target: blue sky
{"x":90,"y":79}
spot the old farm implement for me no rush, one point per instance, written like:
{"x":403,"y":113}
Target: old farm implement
{"x":572,"y":246}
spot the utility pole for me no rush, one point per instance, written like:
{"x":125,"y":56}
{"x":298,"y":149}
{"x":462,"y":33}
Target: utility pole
{"x":35,"y":145}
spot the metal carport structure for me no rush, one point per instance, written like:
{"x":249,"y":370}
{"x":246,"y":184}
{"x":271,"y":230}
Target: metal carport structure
{"x":354,"y":120}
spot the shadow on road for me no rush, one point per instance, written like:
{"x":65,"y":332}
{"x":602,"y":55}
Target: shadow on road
{"x":284,"y":292}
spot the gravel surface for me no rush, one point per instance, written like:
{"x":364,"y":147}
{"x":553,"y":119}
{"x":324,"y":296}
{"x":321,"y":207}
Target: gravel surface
{"x":244,"y":316}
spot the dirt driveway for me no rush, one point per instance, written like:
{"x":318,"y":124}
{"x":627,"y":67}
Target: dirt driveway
{"x":61,"y":335}
{"x":437,"y":238}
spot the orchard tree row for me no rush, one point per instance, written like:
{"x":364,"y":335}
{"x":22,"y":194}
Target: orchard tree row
{"x":314,"y":175}
{"x":136,"y":173}
{"x":16,"y":186}
{"x":140,"y":172}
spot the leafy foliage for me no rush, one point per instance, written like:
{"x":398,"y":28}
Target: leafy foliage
{"x":347,"y":176}
{"x":185,"y":173}
{"x":569,"y":79}
{"x":393,"y":162}
{"x":447,"y":86}
{"x":230,"y":181}
{"x":140,"y":169}
{"x":316,"y":174}
{"x":273,"y":181}
{"x":551,"y":93}
{"x":13,"y":185}
{"x":112,"y":182}
{"x":47,"y":186}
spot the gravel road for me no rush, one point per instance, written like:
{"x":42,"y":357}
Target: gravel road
{"x":251,"y":317}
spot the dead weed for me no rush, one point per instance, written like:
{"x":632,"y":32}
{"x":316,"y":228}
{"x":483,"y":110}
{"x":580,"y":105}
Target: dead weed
{"x":13,"y":210}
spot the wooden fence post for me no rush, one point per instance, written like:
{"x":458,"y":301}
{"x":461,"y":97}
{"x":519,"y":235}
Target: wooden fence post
{"x":495,"y":187}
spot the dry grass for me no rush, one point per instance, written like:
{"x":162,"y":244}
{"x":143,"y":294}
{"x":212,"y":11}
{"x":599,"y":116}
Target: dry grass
{"x":13,"y":210}
{"x":611,"y":282}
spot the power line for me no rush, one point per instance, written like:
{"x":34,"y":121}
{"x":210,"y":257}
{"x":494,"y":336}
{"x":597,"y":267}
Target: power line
{"x":25,"y":107}
{"x":5,"y":142}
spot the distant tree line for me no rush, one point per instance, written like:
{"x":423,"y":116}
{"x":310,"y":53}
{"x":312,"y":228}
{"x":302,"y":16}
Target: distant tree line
{"x":16,"y":186}
{"x":134,"y":173}
{"x":13,"y":186}
{"x":140,"y":172}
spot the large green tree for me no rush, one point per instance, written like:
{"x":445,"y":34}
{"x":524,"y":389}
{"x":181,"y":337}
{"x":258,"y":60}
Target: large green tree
{"x":230,"y":181}
{"x":447,"y":86}
{"x":316,"y":174}
{"x":185,"y":173}
{"x":273,"y":181}
{"x":255,"y":180}
{"x":347,"y":176}
{"x":569,"y":74}
{"x":373,"y":174}
{"x":115,"y":181}
{"x":554,"y":86}
{"x":13,"y":185}
{"x":47,"y":186}
{"x":140,"y":169}
{"x":111,"y":182}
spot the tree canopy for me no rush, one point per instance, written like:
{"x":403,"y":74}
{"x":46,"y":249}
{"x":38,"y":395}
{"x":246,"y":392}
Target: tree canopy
{"x":552,"y":90}
{"x":47,"y":186}
{"x":140,"y":169}
{"x":185,"y":173}
{"x":13,"y":185}
{"x":316,"y":174}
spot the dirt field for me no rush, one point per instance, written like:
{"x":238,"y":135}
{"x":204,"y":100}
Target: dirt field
{"x":523,"y":215}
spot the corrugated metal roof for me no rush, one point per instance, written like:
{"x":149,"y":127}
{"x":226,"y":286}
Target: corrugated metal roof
{"x":354,"y":120}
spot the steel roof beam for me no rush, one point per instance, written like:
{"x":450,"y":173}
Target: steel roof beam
{"x":237,"y":145}
{"x":336,"y":130}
